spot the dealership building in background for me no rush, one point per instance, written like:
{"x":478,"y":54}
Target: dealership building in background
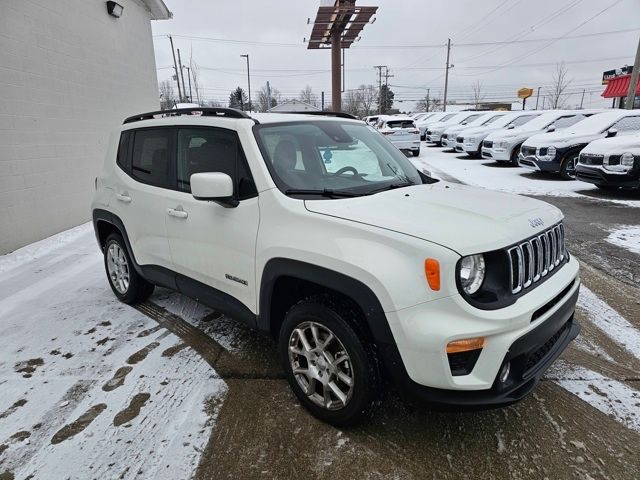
{"x":70,"y":71}
{"x":617,"y":86}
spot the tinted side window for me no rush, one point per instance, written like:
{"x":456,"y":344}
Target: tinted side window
{"x":628,"y":124}
{"x":564,"y":122}
{"x":213,"y":150}
{"x":151,"y":159}
{"x":123,"y":158}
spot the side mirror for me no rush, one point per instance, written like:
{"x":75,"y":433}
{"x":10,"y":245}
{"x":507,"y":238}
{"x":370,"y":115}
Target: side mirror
{"x":463,"y":123}
{"x":213,"y":186}
{"x":511,"y":126}
{"x":551,"y":128}
{"x":612,"y":132}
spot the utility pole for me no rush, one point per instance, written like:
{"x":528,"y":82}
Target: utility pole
{"x":582,"y":99}
{"x":268,"y":96}
{"x":428,"y":99}
{"x":380,"y":67}
{"x":175,"y":67}
{"x":189,"y":78}
{"x":184,"y":88}
{"x":322,"y":96}
{"x":446,"y":75}
{"x":248,"y":78}
{"x":633,"y":85}
{"x":537,"y":98}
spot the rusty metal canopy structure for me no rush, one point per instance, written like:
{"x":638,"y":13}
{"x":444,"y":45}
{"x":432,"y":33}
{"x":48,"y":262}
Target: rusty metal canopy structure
{"x":345,"y":17}
{"x":337,"y":26}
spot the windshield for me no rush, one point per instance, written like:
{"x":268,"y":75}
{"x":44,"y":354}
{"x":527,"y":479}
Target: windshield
{"x":332,"y":157}
{"x":542,"y":121}
{"x":492,"y":119}
{"x":594,"y":124}
{"x":447,"y":117}
{"x":400,"y":124}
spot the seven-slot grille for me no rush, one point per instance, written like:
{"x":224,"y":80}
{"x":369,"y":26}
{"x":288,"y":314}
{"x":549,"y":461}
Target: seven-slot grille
{"x":536,"y":258}
{"x":528,"y":151}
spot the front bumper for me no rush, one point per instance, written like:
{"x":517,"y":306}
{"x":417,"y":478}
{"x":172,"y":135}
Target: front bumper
{"x":422,"y":333}
{"x":497,"y":154}
{"x":599,"y":176}
{"x":533,"y":163}
{"x":434,"y":137}
{"x":472,"y":148}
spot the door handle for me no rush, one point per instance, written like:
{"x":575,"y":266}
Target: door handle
{"x":177,"y":213}
{"x":123,"y":197}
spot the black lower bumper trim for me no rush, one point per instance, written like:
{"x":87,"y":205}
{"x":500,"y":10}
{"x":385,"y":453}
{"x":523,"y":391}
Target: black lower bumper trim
{"x":598,"y":177}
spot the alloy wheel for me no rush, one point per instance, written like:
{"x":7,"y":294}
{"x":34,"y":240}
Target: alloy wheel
{"x":118,"y":268}
{"x":321,"y":365}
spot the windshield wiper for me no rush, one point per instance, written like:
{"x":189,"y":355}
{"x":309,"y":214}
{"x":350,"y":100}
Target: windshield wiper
{"x":391,"y":187}
{"x":325,"y":192}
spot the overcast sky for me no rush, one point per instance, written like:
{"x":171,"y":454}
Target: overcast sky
{"x":410,"y":37}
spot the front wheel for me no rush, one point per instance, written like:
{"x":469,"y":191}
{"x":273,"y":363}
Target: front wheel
{"x":568,"y":167}
{"x":514,"y":156}
{"x":329,"y":368}
{"x":125,"y":282}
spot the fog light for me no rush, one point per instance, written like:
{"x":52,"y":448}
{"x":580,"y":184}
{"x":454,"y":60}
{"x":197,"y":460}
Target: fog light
{"x":504,"y":372}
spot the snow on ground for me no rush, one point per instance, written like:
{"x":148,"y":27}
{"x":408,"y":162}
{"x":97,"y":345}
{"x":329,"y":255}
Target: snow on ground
{"x":609,"y":396}
{"x":92,"y":388}
{"x":626,"y":236}
{"x":489,"y":174}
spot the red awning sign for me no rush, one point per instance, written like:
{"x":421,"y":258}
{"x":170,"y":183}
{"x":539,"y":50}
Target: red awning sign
{"x":618,"y":87}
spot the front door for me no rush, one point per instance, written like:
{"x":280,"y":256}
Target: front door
{"x":210,"y":243}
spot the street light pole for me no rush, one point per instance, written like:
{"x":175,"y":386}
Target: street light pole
{"x":248,"y":78}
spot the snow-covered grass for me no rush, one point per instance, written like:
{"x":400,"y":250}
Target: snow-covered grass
{"x":626,"y":236}
{"x":92,"y":388}
{"x":504,"y":178}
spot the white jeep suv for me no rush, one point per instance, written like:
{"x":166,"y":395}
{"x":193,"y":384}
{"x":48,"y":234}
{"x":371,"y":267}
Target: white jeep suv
{"x":319,"y":232}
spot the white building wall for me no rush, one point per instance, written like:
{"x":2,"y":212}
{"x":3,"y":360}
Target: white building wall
{"x":69,"y":74}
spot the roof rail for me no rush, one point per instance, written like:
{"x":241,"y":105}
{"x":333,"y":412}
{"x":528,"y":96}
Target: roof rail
{"x":321,"y":113}
{"x":202,"y":111}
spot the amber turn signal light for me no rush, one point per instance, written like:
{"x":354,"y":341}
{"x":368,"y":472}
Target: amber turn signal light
{"x":432,"y":271}
{"x":465,"y":345}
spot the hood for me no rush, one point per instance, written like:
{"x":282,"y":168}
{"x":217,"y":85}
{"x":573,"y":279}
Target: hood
{"x":514,"y":133}
{"x":465,"y":219}
{"x":561,"y":139}
{"x":614,"y":146}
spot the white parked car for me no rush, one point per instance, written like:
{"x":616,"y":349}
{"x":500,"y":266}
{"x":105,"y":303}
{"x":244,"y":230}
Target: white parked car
{"x":402,"y":132}
{"x":452,"y":133}
{"x":558,"y":152}
{"x":611,"y":163}
{"x":316,"y":231}
{"x":424,"y":123}
{"x":505,"y":144}
{"x":473,"y":137}
{"x":436,"y":130}
{"x":371,"y":119}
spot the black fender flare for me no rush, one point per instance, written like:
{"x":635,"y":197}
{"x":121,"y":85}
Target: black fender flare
{"x":360,"y":293}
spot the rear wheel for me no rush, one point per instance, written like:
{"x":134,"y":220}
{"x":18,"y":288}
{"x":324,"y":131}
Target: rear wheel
{"x":125,"y":282}
{"x":329,"y":367}
{"x":568,"y":167}
{"x":415,"y":152}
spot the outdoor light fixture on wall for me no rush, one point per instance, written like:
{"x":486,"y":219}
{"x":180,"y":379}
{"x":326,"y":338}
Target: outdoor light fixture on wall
{"x":114,"y":9}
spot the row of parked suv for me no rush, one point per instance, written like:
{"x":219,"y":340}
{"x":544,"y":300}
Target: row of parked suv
{"x":596,"y":146}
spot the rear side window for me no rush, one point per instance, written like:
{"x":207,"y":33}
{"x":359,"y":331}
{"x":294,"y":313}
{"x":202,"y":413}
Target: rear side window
{"x":213,"y":150}
{"x":123,"y":158}
{"x":628,"y":124}
{"x":151,"y":160}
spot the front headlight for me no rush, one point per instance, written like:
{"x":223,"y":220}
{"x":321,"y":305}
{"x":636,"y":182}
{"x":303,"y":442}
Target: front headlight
{"x":627,"y":159}
{"x":551,"y":152}
{"x":472,"y":271}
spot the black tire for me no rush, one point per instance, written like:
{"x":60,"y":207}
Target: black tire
{"x":568,"y":166}
{"x":341,"y":319}
{"x":514,"y":156}
{"x":138,"y":288}
{"x":423,"y":138}
{"x":415,"y":153}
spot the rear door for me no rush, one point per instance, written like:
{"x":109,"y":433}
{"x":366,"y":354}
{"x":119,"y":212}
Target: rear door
{"x":210,"y":243}
{"x":144,"y":175}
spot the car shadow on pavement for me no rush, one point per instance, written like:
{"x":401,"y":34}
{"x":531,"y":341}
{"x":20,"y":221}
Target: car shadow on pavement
{"x":543,"y":176}
{"x":611,"y":194}
{"x":499,"y":165}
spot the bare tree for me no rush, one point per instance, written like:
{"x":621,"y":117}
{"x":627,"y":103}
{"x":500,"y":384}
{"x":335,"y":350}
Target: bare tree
{"x":307,"y":96}
{"x":352,"y":102}
{"x":263,"y":96}
{"x":560,"y":83}
{"x":195,"y":76}
{"x":478,"y":96}
{"x":214,"y":104}
{"x":368,"y":98}
{"x":167,"y":95}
